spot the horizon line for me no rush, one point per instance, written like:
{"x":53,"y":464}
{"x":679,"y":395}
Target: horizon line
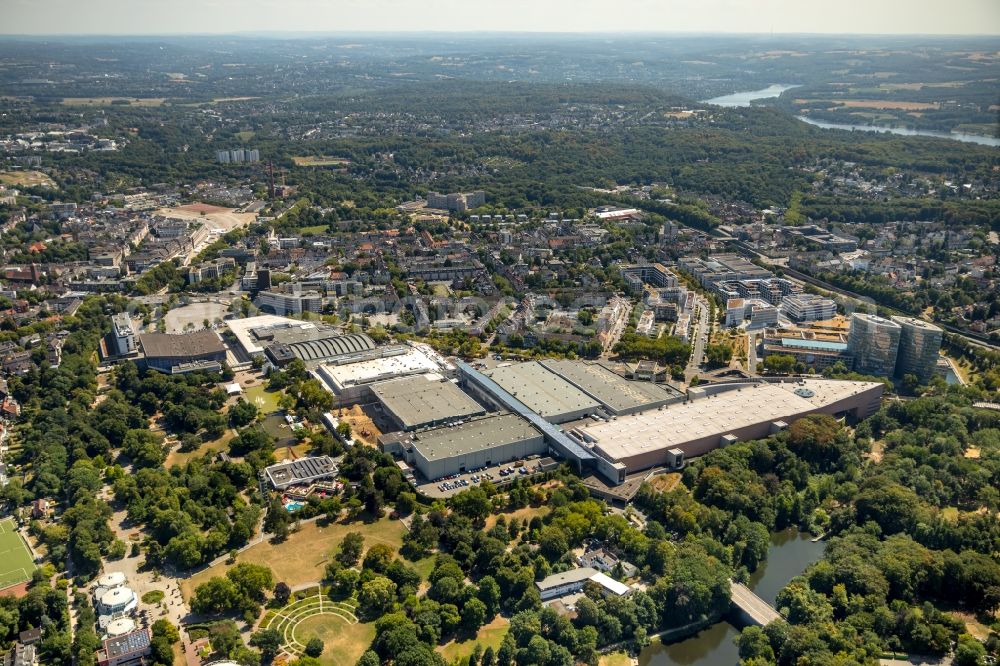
{"x":460,"y":32}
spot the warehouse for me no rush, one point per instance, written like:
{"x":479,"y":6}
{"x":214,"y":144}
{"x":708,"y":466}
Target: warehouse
{"x":353,"y":382}
{"x":543,"y":392}
{"x":718,"y":415}
{"x":423,"y":401}
{"x":186,"y":352}
{"x":616,"y":394}
{"x":477,"y":443}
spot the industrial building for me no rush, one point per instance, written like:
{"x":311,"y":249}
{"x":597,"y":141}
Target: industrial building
{"x":301,"y":472}
{"x":721,"y":414}
{"x":544,"y":392}
{"x":200,"y":351}
{"x":254,"y":333}
{"x":919,"y":347}
{"x":873,"y":344}
{"x":636,"y":426}
{"x":476,"y":443}
{"x":324,"y":347}
{"x":616,"y":394}
{"x":423,"y":401}
{"x":352,"y":381}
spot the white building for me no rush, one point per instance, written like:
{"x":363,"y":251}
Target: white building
{"x":808,"y":307}
{"x":573,"y":581}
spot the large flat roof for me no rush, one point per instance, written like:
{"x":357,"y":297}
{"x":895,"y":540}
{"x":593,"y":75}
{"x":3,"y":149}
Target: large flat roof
{"x":474,"y":435}
{"x":183,"y":345}
{"x":302,"y":470}
{"x":411,"y":362}
{"x":610,"y":389}
{"x":541,"y":390}
{"x":422,"y":399}
{"x":716,"y":415}
{"x":242,"y":328}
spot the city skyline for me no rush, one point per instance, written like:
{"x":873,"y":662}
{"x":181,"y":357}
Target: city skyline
{"x":146,"y":17}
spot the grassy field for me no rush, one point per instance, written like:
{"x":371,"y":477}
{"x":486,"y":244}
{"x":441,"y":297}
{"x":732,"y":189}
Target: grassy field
{"x":343,"y":643}
{"x":527,"y":513}
{"x":490,"y":635}
{"x":317,"y":229}
{"x":26,"y":179}
{"x":214,"y":446}
{"x":615,"y":659}
{"x":302,"y":557}
{"x":315,"y":161}
{"x":16,"y":563}
{"x":106,"y":101}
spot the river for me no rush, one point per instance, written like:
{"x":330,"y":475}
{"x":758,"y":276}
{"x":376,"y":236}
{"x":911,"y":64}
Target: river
{"x":790,"y":553}
{"x":904,"y":131}
{"x":747,"y":97}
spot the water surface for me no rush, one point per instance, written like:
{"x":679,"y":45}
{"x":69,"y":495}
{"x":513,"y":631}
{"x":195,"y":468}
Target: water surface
{"x":747,"y":97}
{"x":905,"y":131}
{"x":790,"y":553}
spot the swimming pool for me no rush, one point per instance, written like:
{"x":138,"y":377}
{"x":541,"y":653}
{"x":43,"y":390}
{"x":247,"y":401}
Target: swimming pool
{"x":293,"y":506}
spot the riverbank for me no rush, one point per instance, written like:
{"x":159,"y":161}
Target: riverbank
{"x":964,"y":137}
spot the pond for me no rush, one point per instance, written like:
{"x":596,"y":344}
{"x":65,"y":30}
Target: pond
{"x":790,"y":553}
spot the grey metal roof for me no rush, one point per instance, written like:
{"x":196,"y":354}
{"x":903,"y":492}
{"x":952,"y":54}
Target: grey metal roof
{"x":612,"y":390}
{"x":474,"y":435}
{"x":541,"y":390}
{"x":417,"y":400}
{"x":183,"y":345}
{"x":553,"y":435}
{"x":314,"y":350}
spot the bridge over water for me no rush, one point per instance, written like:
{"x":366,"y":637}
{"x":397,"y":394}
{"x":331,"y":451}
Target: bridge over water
{"x":753,"y":609}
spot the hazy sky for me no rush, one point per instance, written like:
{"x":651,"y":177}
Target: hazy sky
{"x":220,"y":16}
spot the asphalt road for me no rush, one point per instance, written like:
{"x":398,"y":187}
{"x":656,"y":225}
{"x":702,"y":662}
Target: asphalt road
{"x":700,"y":333}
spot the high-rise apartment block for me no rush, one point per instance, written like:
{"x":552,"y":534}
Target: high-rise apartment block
{"x":237,"y":156}
{"x":456,"y":201}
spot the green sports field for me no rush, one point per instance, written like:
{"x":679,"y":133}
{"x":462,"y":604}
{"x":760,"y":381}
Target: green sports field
{"x":16,"y":564}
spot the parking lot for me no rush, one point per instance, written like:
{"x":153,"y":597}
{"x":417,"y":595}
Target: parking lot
{"x":496,"y":474}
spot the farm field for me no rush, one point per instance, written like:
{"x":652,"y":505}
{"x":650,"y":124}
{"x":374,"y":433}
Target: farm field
{"x":16,"y":563}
